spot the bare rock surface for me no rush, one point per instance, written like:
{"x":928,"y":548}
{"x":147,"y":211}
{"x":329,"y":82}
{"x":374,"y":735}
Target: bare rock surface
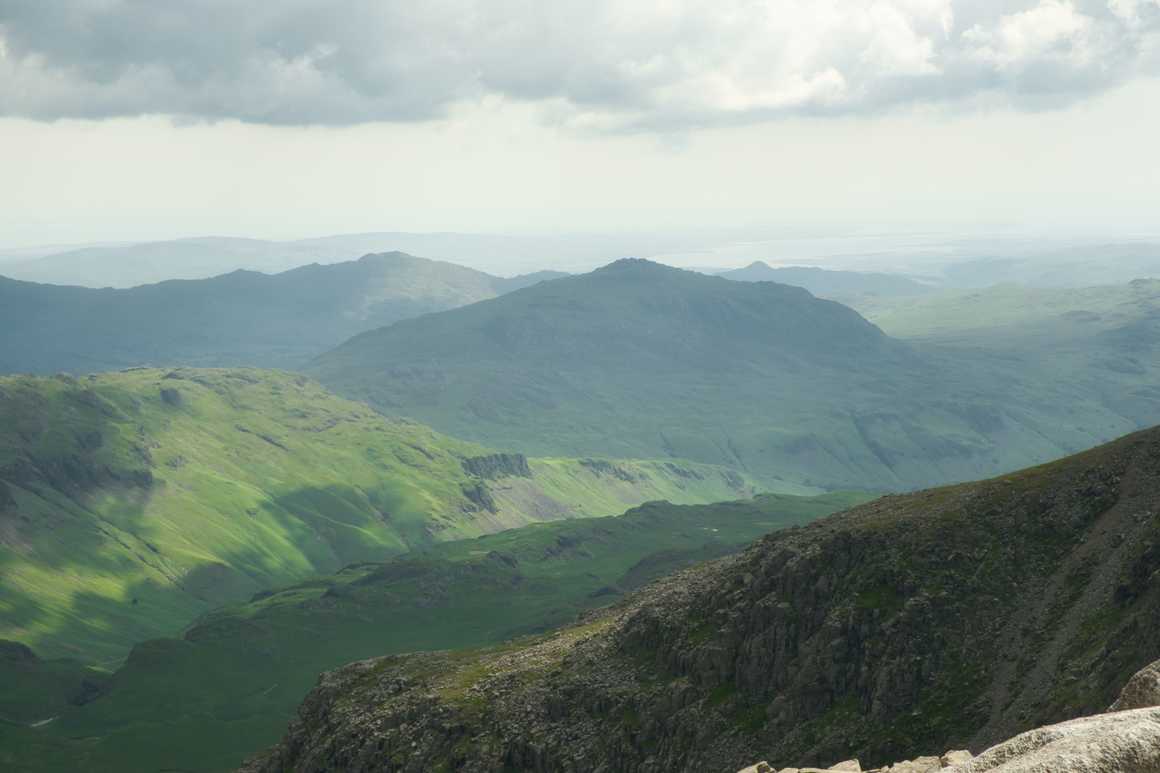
{"x":1118,"y":742}
{"x":1142,"y":690}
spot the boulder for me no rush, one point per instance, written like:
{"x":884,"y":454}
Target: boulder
{"x":956,"y":757}
{"x":1124,"y":741}
{"x":1142,"y":690}
{"x":918,"y":765}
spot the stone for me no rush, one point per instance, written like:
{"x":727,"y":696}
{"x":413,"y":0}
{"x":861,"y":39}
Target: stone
{"x":1123,"y":741}
{"x":918,"y":765}
{"x":761,"y":767}
{"x":849,"y":765}
{"x":1142,"y":690}
{"x":956,"y":757}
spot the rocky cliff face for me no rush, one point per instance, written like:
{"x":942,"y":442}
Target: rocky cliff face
{"x":951,"y":618}
{"x":1124,"y":740}
{"x":495,"y":466}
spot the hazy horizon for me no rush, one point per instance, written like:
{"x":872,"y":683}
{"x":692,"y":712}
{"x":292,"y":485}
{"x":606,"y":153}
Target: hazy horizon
{"x":125,"y":123}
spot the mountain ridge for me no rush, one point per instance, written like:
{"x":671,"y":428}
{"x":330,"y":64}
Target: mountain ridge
{"x":830,"y":283}
{"x":242,"y":318}
{"x":630,"y":359}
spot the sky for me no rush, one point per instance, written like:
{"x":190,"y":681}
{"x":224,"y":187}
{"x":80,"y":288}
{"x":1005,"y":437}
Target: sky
{"x":134,"y":120}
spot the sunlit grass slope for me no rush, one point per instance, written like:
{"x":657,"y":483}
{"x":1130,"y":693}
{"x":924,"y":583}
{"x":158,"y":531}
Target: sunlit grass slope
{"x":132,"y":502}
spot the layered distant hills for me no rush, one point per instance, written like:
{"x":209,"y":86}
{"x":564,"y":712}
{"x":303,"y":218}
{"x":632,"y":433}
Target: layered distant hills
{"x":640,"y":359}
{"x":824,"y":283}
{"x":241,"y":318}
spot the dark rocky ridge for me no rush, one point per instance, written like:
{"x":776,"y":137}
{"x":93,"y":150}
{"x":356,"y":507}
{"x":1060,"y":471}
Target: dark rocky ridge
{"x":949,"y":618}
{"x":495,"y":466}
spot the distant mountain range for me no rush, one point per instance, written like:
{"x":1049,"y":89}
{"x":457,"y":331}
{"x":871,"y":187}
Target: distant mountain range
{"x":639,"y":360}
{"x":241,"y":318}
{"x":129,"y":265}
{"x":824,"y":283}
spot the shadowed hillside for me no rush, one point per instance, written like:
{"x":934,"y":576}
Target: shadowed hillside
{"x":240,"y":318}
{"x":637,"y":359}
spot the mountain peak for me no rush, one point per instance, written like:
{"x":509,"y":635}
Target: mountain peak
{"x":378,"y":257}
{"x":639,"y":266}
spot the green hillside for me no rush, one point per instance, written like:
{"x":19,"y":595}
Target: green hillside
{"x":1016,"y":316}
{"x":241,"y":318}
{"x":640,"y":360}
{"x":228,"y":688}
{"x":132,"y":502}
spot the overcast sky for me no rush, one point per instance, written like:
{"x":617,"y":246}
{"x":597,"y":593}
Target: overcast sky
{"x":127,"y":119}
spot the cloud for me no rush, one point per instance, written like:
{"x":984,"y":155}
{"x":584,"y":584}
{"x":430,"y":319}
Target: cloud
{"x":599,"y":64}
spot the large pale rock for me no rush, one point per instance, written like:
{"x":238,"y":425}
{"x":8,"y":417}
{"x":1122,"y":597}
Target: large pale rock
{"x":1141,"y":691}
{"x":919,"y":765}
{"x":955,"y":757}
{"x":852,"y":766}
{"x":1124,"y":742}
{"x":761,"y":767}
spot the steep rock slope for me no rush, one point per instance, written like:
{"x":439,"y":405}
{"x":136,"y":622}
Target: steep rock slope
{"x":1126,"y":739}
{"x":640,"y":360}
{"x":948,"y":618}
{"x":132,"y":502}
{"x":240,"y":318}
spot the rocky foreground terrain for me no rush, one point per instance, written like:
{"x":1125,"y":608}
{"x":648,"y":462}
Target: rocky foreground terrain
{"x":954,"y":618}
{"x":1126,"y":739}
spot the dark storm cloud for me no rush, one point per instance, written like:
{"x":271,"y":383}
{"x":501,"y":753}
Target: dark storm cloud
{"x":599,"y":64}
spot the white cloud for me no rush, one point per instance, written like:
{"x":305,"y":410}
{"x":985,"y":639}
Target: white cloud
{"x":608,"y":64}
{"x":1050,"y":29}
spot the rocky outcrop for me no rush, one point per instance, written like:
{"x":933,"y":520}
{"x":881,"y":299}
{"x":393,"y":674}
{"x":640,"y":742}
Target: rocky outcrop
{"x":1122,"y":741}
{"x":1142,"y":690}
{"x":1125,"y":740}
{"x":952,"y":618}
{"x":496,"y":466}
{"x":479,"y":496}
{"x":15,"y":652}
